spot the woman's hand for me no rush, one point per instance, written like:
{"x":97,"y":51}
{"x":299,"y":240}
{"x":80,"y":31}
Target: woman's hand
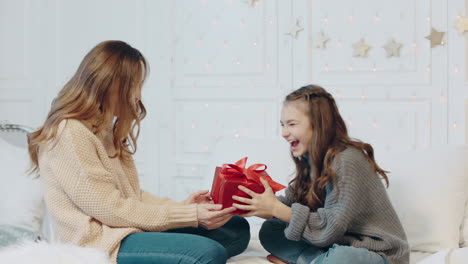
{"x":210,"y":216}
{"x":200,"y":197}
{"x":261,"y":204}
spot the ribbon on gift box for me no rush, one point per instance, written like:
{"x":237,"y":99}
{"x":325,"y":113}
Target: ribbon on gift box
{"x":253,"y":173}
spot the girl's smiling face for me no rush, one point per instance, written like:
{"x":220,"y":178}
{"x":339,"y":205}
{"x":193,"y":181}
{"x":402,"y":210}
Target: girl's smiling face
{"x":297,"y":129}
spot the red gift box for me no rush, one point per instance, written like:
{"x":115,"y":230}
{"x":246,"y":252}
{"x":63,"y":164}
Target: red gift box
{"x":229,"y":176}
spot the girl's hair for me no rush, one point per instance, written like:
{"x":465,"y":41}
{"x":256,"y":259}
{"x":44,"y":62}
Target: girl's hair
{"x":112,"y":67}
{"x":329,"y":137}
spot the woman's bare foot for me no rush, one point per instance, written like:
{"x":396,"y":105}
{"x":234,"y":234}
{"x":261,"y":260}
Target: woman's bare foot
{"x":275,"y":260}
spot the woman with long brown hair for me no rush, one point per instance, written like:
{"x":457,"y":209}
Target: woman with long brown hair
{"x":83,"y":153}
{"x":336,"y":209}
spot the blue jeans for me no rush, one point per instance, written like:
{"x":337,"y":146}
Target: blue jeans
{"x":274,"y":241}
{"x":186,"y":245}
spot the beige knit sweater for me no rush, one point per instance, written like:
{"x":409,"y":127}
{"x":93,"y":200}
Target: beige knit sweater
{"x":96,"y":201}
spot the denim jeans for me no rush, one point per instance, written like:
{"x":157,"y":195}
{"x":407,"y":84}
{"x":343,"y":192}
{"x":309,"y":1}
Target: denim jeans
{"x":274,"y":241}
{"x":186,"y":245}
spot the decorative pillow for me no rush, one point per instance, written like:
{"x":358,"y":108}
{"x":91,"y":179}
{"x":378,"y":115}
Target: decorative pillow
{"x":10,"y":235}
{"x":21,"y":203}
{"x":428,"y":188}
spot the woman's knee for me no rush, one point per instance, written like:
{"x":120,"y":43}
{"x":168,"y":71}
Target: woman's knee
{"x":151,"y":247}
{"x":241,"y":226}
{"x":240,"y":230}
{"x":211,"y":252}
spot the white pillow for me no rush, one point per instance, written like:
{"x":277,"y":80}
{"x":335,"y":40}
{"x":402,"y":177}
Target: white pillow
{"x":428,"y":188}
{"x":21,"y":201}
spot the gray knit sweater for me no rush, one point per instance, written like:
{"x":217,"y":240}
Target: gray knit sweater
{"x":361,"y":215}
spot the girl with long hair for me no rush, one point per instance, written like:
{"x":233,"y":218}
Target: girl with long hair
{"x":83,"y":153}
{"x":336,"y":209}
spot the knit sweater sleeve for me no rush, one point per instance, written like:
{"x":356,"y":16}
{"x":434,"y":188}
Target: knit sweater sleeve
{"x":76,"y":160}
{"x":329,"y":223}
{"x":147,"y":197}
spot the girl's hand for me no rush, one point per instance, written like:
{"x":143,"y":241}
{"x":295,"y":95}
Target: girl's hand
{"x":200,"y":197}
{"x":261,"y":204}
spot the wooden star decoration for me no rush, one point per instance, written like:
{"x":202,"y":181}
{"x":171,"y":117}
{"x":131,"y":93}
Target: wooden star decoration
{"x":462,"y":24}
{"x":320,"y":40}
{"x":361,"y":48}
{"x":295,"y":29}
{"x":435,"y":37}
{"x":392,"y":48}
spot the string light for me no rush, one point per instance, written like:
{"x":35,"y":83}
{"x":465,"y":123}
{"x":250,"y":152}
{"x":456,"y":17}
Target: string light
{"x":375,"y":124}
{"x":428,"y":19}
{"x":242,"y":24}
{"x":443,"y":99}
{"x":339,"y":44}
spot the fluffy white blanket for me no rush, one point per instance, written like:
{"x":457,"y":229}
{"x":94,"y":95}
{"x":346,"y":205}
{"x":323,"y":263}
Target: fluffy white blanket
{"x":47,"y":253}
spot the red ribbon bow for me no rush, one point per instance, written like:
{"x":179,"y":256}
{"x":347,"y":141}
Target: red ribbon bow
{"x":253,"y":173}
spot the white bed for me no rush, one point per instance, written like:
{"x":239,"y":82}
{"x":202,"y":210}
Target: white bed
{"x":433,"y":211}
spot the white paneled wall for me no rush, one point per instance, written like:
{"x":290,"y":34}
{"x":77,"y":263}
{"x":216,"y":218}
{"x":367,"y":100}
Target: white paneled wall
{"x":220,"y":69}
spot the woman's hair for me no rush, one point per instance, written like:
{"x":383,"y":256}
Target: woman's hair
{"x":329,"y":137}
{"x":111,"y":68}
